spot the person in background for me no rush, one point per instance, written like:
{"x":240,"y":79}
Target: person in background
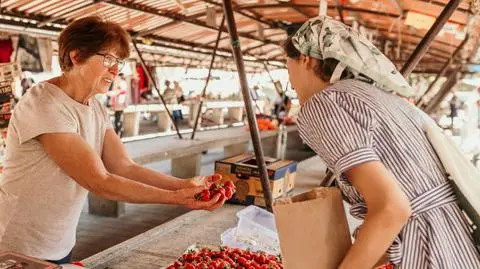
{"x":118,"y":101}
{"x":61,"y":145}
{"x":178,"y":92}
{"x":169,"y":93}
{"x":171,"y":98}
{"x":180,"y":99}
{"x":453,"y":109}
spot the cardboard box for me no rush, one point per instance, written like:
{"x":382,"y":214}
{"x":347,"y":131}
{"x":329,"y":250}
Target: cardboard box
{"x":243,"y":171}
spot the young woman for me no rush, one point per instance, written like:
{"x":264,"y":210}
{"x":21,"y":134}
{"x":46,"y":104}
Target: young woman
{"x":374,"y":143}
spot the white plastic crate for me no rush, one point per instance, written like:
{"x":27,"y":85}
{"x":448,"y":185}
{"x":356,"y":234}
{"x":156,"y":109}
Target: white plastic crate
{"x":256,"y":227}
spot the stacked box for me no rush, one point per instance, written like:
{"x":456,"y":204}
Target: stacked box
{"x":245,"y":174}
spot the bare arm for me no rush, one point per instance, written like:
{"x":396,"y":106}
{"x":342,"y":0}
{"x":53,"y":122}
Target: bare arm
{"x":83,"y":165}
{"x":388,"y":211}
{"x":116,"y":160}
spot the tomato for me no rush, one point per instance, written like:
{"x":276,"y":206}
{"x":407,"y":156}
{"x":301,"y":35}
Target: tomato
{"x":171,"y":267}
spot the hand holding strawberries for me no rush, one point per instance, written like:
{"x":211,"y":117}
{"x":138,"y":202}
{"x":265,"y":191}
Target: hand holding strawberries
{"x":194,"y":187}
{"x":225,"y":190}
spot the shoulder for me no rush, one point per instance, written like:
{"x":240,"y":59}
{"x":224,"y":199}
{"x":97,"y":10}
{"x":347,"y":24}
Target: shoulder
{"x":36,"y":98}
{"x":97,"y":105}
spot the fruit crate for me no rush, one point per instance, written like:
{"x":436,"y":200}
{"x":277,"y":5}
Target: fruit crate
{"x":243,"y":171}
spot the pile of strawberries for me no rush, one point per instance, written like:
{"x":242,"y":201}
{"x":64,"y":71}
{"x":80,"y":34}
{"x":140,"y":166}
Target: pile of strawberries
{"x":226,"y":190}
{"x":226,"y":258}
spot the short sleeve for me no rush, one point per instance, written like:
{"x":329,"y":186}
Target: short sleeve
{"x":103,"y":112}
{"x":37,"y":115}
{"x":340,"y":128}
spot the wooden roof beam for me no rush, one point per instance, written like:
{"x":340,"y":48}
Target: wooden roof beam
{"x":256,"y":16}
{"x":177,"y":17}
{"x":424,"y":45}
{"x":54,"y":19}
{"x":292,"y":5}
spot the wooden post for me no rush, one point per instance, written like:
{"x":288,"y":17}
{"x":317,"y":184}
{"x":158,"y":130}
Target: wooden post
{"x":429,"y":37}
{"x":254,"y":132}
{"x":444,"y":70}
{"x":446,"y":87}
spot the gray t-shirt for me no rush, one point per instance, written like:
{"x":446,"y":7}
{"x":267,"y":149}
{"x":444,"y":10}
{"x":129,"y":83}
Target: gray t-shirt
{"x":40,"y":204}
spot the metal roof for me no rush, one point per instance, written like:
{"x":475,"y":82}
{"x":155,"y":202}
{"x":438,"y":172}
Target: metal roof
{"x":182,"y":32}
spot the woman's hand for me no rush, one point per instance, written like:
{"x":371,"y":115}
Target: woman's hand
{"x":186,"y":197}
{"x":205,"y":181}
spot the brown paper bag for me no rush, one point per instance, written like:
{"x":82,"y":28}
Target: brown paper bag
{"x":312,"y":229}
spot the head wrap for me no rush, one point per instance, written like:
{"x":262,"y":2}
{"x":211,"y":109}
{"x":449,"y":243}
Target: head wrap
{"x":323,"y":37}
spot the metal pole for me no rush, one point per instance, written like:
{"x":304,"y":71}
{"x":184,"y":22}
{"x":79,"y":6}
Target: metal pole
{"x":202,"y":95}
{"x":444,"y":70}
{"x":150,"y":78}
{"x":446,"y":87}
{"x":254,"y":133}
{"x":423,"y":46}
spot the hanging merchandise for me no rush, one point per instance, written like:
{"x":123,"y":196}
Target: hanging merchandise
{"x":46,"y":51}
{"x":28,"y":54}
{"x":6,"y":50}
{"x":8,"y":73}
{"x":143,"y":84}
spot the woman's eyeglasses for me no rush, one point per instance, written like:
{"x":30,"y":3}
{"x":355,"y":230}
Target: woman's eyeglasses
{"x":110,"y":61}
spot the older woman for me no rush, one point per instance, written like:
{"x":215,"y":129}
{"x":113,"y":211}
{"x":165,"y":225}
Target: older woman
{"x":374,"y":143}
{"x":61,"y":145}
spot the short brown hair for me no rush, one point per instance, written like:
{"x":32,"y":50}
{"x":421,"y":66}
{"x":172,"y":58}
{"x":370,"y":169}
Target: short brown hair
{"x":89,"y":36}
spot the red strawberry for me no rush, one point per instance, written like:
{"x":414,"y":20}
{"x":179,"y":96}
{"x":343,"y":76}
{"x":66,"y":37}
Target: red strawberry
{"x":228,"y":192}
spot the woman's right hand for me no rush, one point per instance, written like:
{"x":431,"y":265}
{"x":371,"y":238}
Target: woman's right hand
{"x":186,"y":197}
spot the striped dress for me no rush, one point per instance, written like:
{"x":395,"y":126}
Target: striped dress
{"x":353,"y":122}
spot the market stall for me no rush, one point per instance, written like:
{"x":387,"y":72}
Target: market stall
{"x":163,"y":245}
